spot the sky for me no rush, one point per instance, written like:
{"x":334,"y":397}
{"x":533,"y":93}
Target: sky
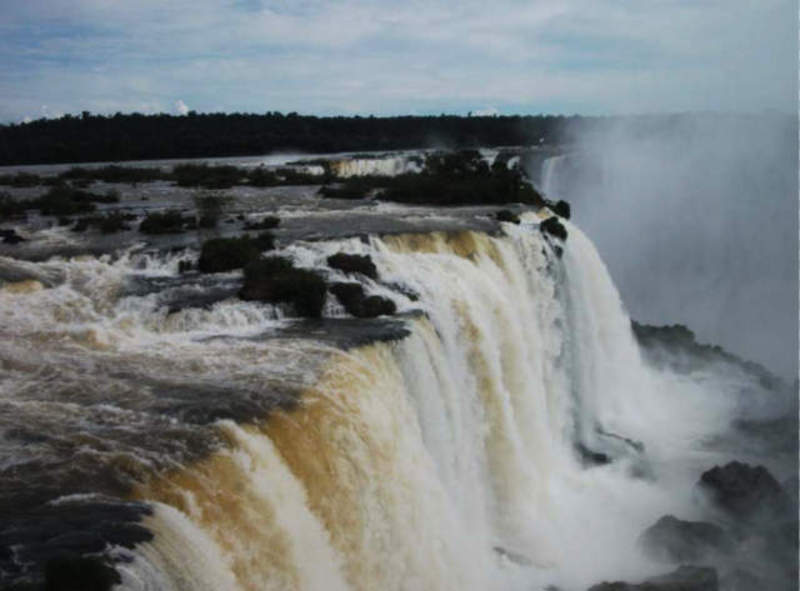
{"x":383,"y":57}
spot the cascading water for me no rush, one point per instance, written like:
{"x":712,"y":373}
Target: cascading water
{"x":448,"y":459}
{"x":549,"y":175}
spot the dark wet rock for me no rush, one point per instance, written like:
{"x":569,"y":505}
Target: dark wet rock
{"x":676,"y":346}
{"x":561,"y":208}
{"x":185,"y":266}
{"x":353,"y":263}
{"x":745,"y":491}
{"x":590,"y":457}
{"x":64,"y":545}
{"x":553,"y":227}
{"x":276,"y":280}
{"x":685,"y":578}
{"x":505,"y":215}
{"x":674,"y":540}
{"x":346,"y":333}
{"x":11,"y":236}
{"x":376,"y":305}
{"x":71,"y":573}
{"x":634,"y":445}
{"x":266,"y":223}
{"x":404,"y":290}
{"x":182,"y":299}
{"x":226,"y":254}
{"x":352,"y":189}
{"x":352,"y":297}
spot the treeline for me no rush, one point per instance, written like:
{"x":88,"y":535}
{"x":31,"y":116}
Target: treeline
{"x":98,"y":138}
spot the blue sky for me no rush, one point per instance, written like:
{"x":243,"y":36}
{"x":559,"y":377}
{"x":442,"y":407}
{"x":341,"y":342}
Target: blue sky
{"x":381,"y":57}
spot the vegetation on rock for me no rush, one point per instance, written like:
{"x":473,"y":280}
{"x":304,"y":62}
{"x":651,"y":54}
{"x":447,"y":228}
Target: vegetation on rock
{"x":226,"y":254}
{"x":353,"y":263}
{"x":276,"y":280}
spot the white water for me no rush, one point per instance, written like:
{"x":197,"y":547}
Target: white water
{"x":458,"y":440}
{"x":550,"y":171}
{"x":443,"y":461}
{"x":386,"y":166}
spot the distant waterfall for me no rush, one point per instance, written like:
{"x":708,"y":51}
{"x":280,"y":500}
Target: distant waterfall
{"x":550,"y":171}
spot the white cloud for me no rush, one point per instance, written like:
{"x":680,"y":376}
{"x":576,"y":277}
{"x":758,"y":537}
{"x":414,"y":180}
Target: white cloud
{"x":181,"y":107}
{"x":591,"y":56}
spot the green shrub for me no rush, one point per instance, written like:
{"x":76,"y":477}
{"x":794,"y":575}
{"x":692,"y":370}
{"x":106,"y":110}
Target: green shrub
{"x":210,"y":207}
{"x":10,"y":207}
{"x":225,"y":254}
{"x":21,"y":179}
{"x":109,"y":223}
{"x":276,"y":280}
{"x":166,"y":222}
{"x":261,"y":177}
{"x":210,"y":177}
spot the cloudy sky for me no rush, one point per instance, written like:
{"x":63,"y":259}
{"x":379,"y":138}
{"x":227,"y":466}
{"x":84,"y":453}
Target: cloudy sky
{"x":386,"y":57}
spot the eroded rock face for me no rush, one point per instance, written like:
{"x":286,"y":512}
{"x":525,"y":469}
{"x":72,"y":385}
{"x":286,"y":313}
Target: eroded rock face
{"x":745,"y":491}
{"x":685,"y":578}
{"x":674,"y":540}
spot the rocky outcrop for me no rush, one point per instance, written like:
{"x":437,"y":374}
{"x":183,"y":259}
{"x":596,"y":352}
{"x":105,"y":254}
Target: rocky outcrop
{"x":745,"y":492}
{"x":685,"y":578}
{"x":674,"y":540}
{"x":554,"y":227}
{"x":358,"y":304}
{"x":353,"y":263}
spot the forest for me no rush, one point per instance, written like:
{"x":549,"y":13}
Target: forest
{"x":93,"y":138}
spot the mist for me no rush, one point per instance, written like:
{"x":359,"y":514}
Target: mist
{"x":696,"y":217}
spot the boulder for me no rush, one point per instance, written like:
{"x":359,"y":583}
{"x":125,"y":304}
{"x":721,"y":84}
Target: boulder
{"x":554,"y":227}
{"x":745,"y":491}
{"x":674,"y":540}
{"x":352,"y":297}
{"x":561,"y":208}
{"x":353,"y":263}
{"x":505,"y":215}
{"x":375,"y":305}
{"x":11,"y":237}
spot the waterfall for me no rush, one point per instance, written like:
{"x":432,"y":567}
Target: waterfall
{"x":550,"y":175}
{"x":444,"y":460}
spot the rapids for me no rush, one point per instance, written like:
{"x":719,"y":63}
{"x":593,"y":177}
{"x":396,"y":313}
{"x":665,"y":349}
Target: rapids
{"x":447,"y":450}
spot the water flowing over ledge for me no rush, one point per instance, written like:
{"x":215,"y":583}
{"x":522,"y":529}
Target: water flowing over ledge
{"x":454,"y":457}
